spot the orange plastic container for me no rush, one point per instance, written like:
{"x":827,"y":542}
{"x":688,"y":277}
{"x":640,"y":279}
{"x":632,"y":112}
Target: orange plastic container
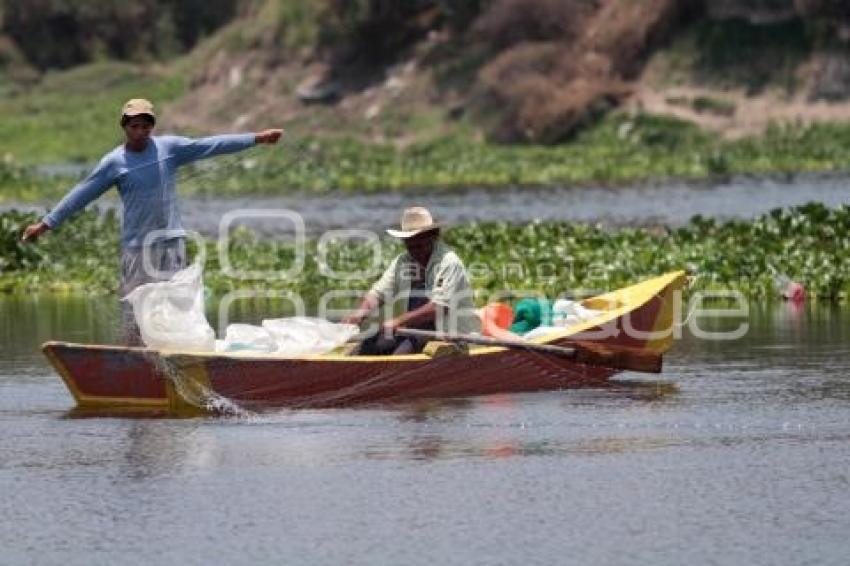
{"x":496,"y":315}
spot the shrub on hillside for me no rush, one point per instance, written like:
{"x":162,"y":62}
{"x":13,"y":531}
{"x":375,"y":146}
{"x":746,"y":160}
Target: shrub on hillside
{"x":63,"y":33}
{"x":565,"y":62}
{"x":833,"y":13}
{"x":626,"y":32}
{"x":542,"y":92}
{"x":459,"y":14}
{"x":509,"y":22}
{"x":374,"y":31}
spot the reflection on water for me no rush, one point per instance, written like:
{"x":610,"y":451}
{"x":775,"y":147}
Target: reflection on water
{"x":739,"y":450}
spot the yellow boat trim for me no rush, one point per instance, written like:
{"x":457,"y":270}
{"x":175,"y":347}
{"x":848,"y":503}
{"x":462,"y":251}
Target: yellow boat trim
{"x":663,"y":330}
{"x":622,"y":300}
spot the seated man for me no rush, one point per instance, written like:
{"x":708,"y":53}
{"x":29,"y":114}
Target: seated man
{"x":432,"y":280}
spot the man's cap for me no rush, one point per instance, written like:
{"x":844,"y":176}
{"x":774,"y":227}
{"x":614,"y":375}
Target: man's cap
{"x":414,"y":220}
{"x":137,"y":107}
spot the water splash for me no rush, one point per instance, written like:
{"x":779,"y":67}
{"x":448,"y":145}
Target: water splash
{"x":198,"y":394}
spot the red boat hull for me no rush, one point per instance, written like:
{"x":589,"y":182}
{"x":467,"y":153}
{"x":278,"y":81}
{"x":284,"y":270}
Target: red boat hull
{"x":111,"y":377}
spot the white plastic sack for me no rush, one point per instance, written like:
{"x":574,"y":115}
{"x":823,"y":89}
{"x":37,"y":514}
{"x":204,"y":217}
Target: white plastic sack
{"x":305,"y":335}
{"x":242,"y":337}
{"x":567,"y":313}
{"x":542,"y":331}
{"x":170,"y":314}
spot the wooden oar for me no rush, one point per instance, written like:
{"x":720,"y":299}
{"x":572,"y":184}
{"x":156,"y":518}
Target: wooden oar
{"x":618,"y":357}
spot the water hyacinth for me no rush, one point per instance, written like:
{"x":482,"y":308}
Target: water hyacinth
{"x":809,"y":244}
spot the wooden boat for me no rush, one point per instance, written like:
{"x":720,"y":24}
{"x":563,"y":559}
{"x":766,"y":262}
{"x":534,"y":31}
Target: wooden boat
{"x":640,"y":317}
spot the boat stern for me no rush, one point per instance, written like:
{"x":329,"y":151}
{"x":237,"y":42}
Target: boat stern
{"x":109,"y":376}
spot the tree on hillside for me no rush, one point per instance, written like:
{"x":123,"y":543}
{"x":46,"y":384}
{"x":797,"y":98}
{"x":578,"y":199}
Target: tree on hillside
{"x":63,"y":33}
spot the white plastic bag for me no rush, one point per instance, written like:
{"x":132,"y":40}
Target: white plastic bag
{"x":567,"y":313}
{"x":170,"y":314}
{"x":305,"y":335}
{"x":242,"y":337}
{"x":542,"y":331}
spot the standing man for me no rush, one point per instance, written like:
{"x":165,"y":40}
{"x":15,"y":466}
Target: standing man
{"x":432,"y":280}
{"x":144,"y":169}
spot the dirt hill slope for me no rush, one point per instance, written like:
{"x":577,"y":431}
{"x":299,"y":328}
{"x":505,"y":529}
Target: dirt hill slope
{"x":510,"y":70}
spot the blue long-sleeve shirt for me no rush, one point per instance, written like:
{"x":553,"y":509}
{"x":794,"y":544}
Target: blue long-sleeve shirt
{"x":146,"y":183}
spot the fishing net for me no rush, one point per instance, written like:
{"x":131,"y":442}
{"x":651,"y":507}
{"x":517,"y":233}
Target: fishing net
{"x":194,"y":392}
{"x":239,"y":386}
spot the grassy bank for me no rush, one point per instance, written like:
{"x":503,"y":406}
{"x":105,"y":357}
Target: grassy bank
{"x":809,"y":244}
{"x":71,"y":118}
{"x":617,"y":150}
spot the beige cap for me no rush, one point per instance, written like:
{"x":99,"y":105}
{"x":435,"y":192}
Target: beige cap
{"x":414,"y":220}
{"x":138,"y":106}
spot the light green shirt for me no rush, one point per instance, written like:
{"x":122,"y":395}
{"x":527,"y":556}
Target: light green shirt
{"x":446,"y":284}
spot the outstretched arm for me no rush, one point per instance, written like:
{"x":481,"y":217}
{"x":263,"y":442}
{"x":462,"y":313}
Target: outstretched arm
{"x":188,"y":150}
{"x":269,"y":136}
{"x":34,"y":231}
{"x":98,"y":181}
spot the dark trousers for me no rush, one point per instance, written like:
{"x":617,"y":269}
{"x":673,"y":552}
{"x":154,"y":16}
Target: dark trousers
{"x":381,"y":345}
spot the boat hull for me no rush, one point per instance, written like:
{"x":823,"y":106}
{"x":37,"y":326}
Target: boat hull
{"x":110,"y":377}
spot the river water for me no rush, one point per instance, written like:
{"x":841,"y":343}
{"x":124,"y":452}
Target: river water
{"x":671,"y":203}
{"x":738,"y":454}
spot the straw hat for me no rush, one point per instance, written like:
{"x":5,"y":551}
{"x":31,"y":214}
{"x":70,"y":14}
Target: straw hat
{"x":136,"y":107}
{"x":414,"y":220}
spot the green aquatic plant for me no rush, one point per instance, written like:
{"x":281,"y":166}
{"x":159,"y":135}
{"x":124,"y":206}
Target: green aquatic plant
{"x":14,"y":254}
{"x":809,"y":244}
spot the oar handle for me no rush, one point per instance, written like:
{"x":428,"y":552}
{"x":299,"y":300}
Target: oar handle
{"x":606,"y":355}
{"x":485,"y":341}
